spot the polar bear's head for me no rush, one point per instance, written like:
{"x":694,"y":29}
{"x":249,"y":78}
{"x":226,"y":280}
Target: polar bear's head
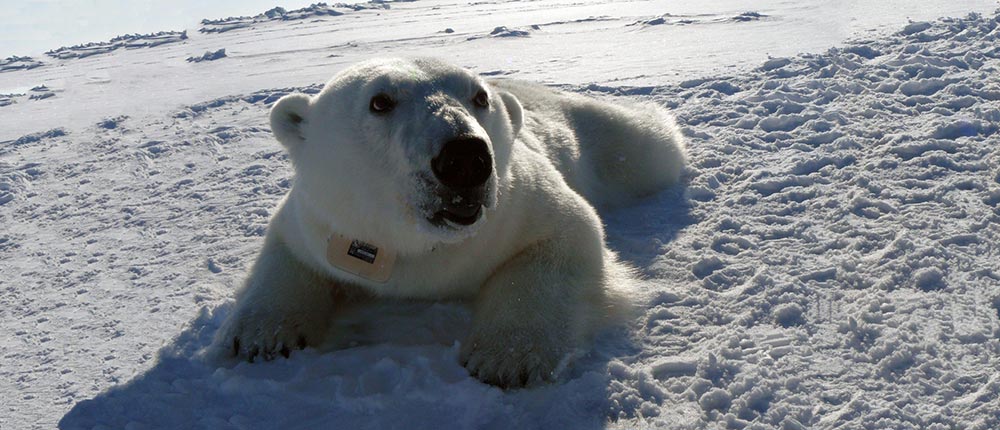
{"x":403,"y":152}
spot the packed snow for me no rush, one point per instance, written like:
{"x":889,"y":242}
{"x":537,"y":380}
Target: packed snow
{"x":280,"y":14}
{"x":130,"y":41}
{"x":18,"y":63}
{"x":829,"y":262}
{"x":208,"y":56}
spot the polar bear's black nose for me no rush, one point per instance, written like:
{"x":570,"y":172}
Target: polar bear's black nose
{"x":464,"y":162}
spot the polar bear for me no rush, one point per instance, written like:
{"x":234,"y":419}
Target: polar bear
{"x":415,"y":178}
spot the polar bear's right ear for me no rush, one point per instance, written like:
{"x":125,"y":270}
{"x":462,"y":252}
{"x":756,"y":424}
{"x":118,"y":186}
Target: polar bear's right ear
{"x":287,"y":118}
{"x":514,"y":111}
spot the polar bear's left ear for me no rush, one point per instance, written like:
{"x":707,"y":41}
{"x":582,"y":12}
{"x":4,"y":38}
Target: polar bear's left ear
{"x":287,"y":118}
{"x":514,"y":110}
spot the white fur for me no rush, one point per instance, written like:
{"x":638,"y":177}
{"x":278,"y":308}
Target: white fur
{"x":535,"y":265}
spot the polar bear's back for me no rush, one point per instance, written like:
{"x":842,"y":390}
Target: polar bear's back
{"x":611,"y":153}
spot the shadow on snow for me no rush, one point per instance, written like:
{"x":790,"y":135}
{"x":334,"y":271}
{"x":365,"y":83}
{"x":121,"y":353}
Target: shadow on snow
{"x":396,"y":366}
{"x":400,"y":371}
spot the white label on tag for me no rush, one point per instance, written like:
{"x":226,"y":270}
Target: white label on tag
{"x":360,"y":258}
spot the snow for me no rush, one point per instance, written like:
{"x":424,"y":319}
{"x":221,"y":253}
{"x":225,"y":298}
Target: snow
{"x":18,"y":63}
{"x":829,"y":262}
{"x":280,"y":14}
{"x":208,"y":56}
{"x":120,"y":42}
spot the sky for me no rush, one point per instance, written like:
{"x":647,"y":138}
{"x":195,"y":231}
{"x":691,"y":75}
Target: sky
{"x":34,"y":26}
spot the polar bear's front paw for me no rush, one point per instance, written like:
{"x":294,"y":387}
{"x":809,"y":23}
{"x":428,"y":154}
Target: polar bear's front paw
{"x":267,"y":333}
{"x":511,"y":362}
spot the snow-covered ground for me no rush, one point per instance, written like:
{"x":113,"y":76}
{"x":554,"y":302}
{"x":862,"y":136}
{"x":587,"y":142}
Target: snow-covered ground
{"x":830,"y":262}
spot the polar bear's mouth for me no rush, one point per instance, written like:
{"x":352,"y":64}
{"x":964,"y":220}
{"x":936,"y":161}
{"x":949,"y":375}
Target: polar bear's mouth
{"x":454,"y":207}
{"x":458,"y":208}
{"x":464,"y":215}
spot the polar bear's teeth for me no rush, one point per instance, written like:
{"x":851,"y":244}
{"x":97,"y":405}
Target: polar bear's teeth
{"x":462,"y":218}
{"x":456,"y":216}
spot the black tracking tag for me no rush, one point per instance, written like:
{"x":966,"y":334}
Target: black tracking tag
{"x":363,"y":251}
{"x":360,"y":258}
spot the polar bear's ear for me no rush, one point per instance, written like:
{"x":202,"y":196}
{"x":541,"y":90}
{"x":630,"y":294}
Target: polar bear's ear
{"x":287,"y":118}
{"x":514,"y":110}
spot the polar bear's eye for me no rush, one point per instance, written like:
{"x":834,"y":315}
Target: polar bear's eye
{"x":482,"y":99}
{"x":381,"y":103}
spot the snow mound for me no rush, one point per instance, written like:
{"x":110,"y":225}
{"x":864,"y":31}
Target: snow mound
{"x":112,"y":123}
{"x":684,"y":19}
{"x":119,"y":42}
{"x":506,"y":32}
{"x":208,"y":56}
{"x":31,"y":138}
{"x":40,"y":92}
{"x":18,"y":63}
{"x":280,"y":14}
{"x":265,"y":97}
{"x":748,"y":16}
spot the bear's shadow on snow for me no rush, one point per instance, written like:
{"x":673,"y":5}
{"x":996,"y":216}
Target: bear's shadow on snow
{"x":399,"y":369}
{"x":393,"y":364}
{"x":639,"y":232}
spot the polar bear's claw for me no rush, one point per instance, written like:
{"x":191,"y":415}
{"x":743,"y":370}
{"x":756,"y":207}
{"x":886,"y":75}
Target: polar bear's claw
{"x":509,"y":367}
{"x":254,"y":334}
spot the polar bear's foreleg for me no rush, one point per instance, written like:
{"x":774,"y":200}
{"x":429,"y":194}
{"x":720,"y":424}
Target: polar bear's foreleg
{"x":532,"y":313}
{"x":283,"y":305}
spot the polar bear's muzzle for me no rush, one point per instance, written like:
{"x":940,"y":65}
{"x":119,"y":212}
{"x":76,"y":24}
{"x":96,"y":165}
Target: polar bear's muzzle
{"x":463,"y":163}
{"x":463,"y":168}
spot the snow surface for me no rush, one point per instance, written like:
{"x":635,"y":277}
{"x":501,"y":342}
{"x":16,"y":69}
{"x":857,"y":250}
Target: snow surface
{"x":830,"y":261}
{"x":128,"y":41}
